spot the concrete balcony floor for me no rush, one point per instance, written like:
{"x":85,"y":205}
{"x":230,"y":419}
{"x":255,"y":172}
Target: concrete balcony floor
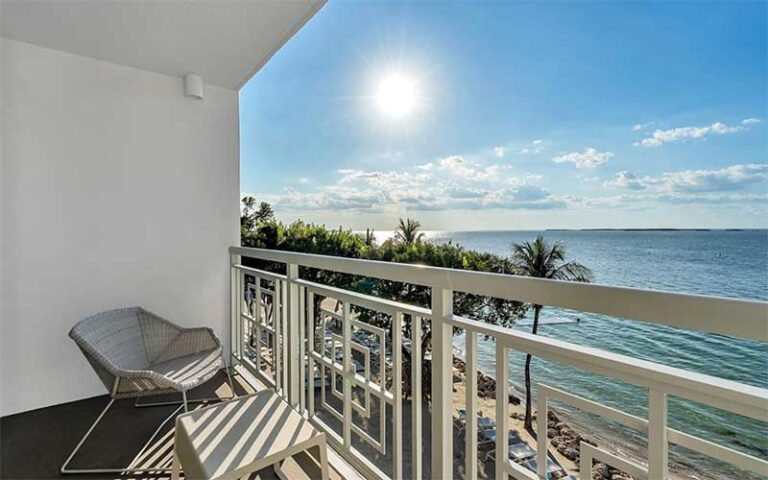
{"x":35,"y":444}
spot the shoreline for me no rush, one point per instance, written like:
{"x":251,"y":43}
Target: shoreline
{"x":565,"y":431}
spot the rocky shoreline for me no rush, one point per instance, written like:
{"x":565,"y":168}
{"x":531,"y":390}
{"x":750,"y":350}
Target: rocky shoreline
{"x":562,"y":437}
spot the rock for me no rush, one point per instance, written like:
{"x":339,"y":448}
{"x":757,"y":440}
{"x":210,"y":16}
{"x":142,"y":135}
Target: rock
{"x":552,"y":417}
{"x":556,"y":441}
{"x":590,"y":442}
{"x":571,"y":454}
{"x":603,"y":470}
{"x":551,"y":432}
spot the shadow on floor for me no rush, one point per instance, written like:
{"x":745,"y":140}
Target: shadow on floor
{"x":34,"y":445}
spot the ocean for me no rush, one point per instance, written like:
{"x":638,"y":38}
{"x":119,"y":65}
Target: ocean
{"x":717,"y":262}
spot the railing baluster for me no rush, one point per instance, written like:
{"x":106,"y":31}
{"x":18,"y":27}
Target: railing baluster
{"x":470,"y":421}
{"x":541,"y":432}
{"x":397,"y":405}
{"x":310,"y":361}
{"x":292,"y":340}
{"x":284,"y":332}
{"x":302,"y":349}
{"x":277,"y":327}
{"x":240,"y":324}
{"x":502,"y":410}
{"x":416,"y":425}
{"x":442,"y":383}
{"x":657,"y":435}
{"x":258,"y":318}
{"x":346,"y":337}
{"x":234,"y":311}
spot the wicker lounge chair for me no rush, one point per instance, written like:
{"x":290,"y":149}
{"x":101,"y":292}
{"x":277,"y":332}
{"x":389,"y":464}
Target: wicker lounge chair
{"x":135,"y":353}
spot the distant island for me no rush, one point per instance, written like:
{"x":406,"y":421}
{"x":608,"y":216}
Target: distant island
{"x":644,"y":229}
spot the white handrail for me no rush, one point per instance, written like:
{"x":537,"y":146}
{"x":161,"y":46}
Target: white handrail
{"x":725,"y":316}
{"x":728,"y":395}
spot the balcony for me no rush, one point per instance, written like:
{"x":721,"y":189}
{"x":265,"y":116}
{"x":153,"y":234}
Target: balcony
{"x":343,"y":359}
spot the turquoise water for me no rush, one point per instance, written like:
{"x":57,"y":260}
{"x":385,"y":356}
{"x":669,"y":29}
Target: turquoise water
{"x":723,"y":263}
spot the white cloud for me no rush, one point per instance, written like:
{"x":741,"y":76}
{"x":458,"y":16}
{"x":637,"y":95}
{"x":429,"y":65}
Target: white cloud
{"x":457,"y":166}
{"x":679,"y":134}
{"x":589,"y":158}
{"x":499,"y":151}
{"x":625,"y":180}
{"x":641,"y":126}
{"x":536,"y":146}
{"x":733,"y":178}
{"x":304,"y":180}
{"x":449,"y":183}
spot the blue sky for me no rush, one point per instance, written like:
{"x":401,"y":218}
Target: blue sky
{"x":528,"y":115}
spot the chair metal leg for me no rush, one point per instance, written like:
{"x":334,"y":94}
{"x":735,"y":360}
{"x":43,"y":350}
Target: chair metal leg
{"x":231,"y":384}
{"x":128,"y":469}
{"x":184,"y":396}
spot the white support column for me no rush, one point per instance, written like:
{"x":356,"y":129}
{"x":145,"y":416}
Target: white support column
{"x":311,"y":349}
{"x":346,"y":342}
{"x":234,"y":310}
{"x":470,"y":433}
{"x":397,"y":407}
{"x":285,"y":310}
{"x":657,"y":435}
{"x":257,"y":327}
{"x":442,"y":383}
{"x":292,"y":341}
{"x":277,"y":351}
{"x":416,"y":422}
{"x":541,"y":432}
{"x":302,"y":353}
{"x":240,"y":330}
{"x":502,"y":410}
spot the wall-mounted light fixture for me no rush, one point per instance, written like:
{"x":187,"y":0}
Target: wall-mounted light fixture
{"x":193,"y":86}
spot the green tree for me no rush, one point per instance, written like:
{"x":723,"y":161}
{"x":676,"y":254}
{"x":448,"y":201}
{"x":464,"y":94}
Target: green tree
{"x":543,"y":259}
{"x":407,"y":232}
{"x":318,"y":239}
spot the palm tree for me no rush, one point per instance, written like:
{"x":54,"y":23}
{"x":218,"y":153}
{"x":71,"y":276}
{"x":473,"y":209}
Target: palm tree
{"x":248,"y":202}
{"x":408,"y":232}
{"x":264,"y":213}
{"x":542,"y":259}
{"x":246,"y":219}
{"x":370,"y":237}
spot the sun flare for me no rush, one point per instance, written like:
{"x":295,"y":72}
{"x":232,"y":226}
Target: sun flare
{"x":396,"y":95}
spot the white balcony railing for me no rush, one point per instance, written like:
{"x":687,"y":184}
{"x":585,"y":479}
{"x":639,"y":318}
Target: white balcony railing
{"x":337,"y":368}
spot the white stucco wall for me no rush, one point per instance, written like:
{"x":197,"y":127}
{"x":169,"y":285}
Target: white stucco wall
{"x":116,"y":191}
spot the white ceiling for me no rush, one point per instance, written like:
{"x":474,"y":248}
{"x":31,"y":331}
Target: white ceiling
{"x":224,"y":41}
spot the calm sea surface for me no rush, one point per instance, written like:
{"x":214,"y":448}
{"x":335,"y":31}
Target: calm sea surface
{"x":723,"y":263}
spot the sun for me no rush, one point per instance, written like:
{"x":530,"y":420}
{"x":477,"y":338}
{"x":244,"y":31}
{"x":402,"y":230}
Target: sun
{"x":396,"y":95}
